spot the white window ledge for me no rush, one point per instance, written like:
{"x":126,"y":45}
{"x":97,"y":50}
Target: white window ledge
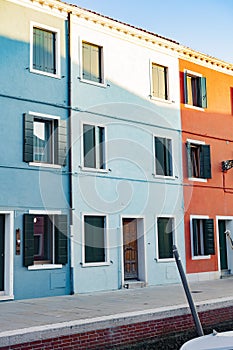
{"x":94,"y":170}
{"x":41,"y":72}
{"x":103,"y":85}
{"x":165,"y":260}
{"x":199,"y":179}
{"x":45,"y":267}
{"x":96,"y":264}
{"x":46,"y":165}
{"x":194,"y":107}
{"x":201,"y":257}
{"x":157,"y":99}
{"x":164,"y":177}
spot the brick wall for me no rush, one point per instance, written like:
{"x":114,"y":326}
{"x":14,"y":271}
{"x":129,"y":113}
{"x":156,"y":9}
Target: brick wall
{"x":128,"y":334}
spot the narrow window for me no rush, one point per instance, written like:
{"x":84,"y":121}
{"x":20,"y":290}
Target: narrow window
{"x":159,"y":81}
{"x":44,"y":50}
{"x":91,"y":61}
{"x":199,"y":163}
{"x":94,"y":146}
{"x":94,"y":238}
{"x":165,"y":237}
{"x":163,"y":156}
{"x":195,"y":90}
{"x":203,"y":237}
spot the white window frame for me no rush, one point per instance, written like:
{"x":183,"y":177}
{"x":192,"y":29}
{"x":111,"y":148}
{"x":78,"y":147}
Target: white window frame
{"x":102,"y":65}
{"x":57,"y":50}
{"x":194,"y":74}
{"x":172,"y":155}
{"x":157,"y":236}
{"x":196,"y":142}
{"x":199,"y":217}
{"x":82,"y":167}
{"x":106,"y":242}
{"x":51,"y":265}
{"x":168,"y":100}
{"x":49,"y":118}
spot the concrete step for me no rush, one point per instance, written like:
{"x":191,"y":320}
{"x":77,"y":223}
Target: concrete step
{"x":134,"y":284}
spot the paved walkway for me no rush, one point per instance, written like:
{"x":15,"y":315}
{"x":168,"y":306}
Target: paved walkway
{"x":34,"y":315}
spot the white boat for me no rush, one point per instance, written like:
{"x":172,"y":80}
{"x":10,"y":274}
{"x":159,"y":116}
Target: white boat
{"x":214,"y":341}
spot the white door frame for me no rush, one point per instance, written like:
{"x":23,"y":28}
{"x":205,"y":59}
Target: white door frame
{"x":9,"y":256}
{"x":229,"y":226}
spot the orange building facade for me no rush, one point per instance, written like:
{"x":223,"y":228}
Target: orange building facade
{"x":207,"y":143}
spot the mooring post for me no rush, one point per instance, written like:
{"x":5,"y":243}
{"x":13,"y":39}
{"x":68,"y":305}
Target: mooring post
{"x":187,"y":292}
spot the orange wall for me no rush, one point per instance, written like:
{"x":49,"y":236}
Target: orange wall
{"x":214,"y":126}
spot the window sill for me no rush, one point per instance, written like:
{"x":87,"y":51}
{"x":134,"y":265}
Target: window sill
{"x":96,"y":264}
{"x":103,"y":85}
{"x":45,"y":165}
{"x":164,"y":177}
{"x":157,"y":99}
{"x":45,"y":267}
{"x":197,"y":179}
{"x":40,"y":72}
{"x":95,"y":170}
{"x":201,"y":257}
{"x":164,"y":260}
{"x":194,"y":107}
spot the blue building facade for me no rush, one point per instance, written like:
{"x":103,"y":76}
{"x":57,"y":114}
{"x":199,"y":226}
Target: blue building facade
{"x":34,"y":187}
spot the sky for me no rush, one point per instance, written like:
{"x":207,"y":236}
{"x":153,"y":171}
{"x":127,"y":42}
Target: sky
{"x":203,"y":25}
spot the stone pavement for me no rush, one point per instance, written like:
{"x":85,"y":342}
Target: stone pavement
{"x":28,"y":319}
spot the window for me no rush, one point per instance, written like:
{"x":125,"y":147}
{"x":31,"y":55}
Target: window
{"x":159,"y":81}
{"x":92,"y":62}
{"x":199,"y":164}
{"x":94,"y":146}
{"x":44,"y":140}
{"x":163,"y":156}
{"x":203,"y":237}
{"x":165,"y":237}
{"x":195,"y":90}
{"x":94,"y":239}
{"x":45,"y":239}
{"x":44,"y":50}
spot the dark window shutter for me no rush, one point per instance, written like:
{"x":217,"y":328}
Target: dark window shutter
{"x":165,"y":238}
{"x":94,"y":239}
{"x":28,"y":241}
{"x":159,"y":156}
{"x":28,"y":138}
{"x":203,"y":93}
{"x":61,"y":239}
{"x":209,"y":237}
{"x":61,"y":142}
{"x":185,"y":89}
{"x":168,"y":157}
{"x":205,"y":171}
{"x":89,"y":146}
{"x":189,"y":160}
{"x":195,"y":242}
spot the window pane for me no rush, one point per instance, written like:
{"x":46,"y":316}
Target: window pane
{"x":42,"y":239}
{"x":44,"y":50}
{"x":165,"y":238}
{"x":198,"y":237}
{"x":42,"y":141}
{"x":163,"y":156}
{"x":89,"y":146}
{"x":94,"y":227}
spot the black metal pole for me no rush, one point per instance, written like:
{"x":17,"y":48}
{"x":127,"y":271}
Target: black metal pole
{"x":187,"y":292}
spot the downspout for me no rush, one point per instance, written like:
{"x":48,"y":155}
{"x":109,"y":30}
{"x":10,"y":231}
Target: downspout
{"x":69,"y":102}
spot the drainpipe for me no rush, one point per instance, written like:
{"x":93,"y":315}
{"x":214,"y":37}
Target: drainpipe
{"x":69,"y":102}
{"x":187,"y":292}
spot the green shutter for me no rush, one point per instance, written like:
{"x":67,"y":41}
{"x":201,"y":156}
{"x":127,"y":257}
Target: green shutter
{"x":28,"y":241}
{"x":61,"y":142}
{"x":89,"y":146}
{"x":203,"y":93}
{"x":209,"y":237}
{"x":205,"y":162}
{"x":28,"y":138}
{"x":159,"y":156}
{"x":168,"y":157}
{"x":61,"y":239}
{"x":185,"y":89}
{"x":195,"y":242}
{"x":189,"y":160}
{"x":44,"y":52}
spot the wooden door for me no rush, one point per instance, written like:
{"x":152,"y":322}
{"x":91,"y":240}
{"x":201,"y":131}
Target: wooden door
{"x":130,"y":249}
{"x":2,"y":251}
{"x":222,"y":244}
